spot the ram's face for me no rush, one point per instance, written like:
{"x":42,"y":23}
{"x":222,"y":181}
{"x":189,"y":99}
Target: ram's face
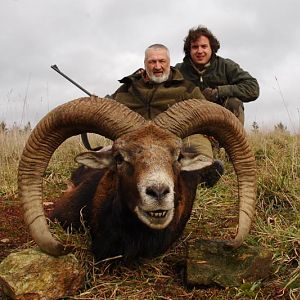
{"x":148,"y":168}
{"x":148,"y":163}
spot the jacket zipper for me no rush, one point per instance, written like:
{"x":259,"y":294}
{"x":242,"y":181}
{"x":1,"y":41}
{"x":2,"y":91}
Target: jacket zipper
{"x":150,"y":100}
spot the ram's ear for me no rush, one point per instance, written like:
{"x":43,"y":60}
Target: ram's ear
{"x":95,"y":160}
{"x":192,"y":161}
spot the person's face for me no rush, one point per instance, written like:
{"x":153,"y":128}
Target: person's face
{"x":201,"y":51}
{"x":157,"y":64}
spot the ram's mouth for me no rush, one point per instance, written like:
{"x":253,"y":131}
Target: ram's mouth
{"x":155,"y":219}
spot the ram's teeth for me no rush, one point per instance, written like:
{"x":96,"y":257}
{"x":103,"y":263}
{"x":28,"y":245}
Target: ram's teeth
{"x":160,"y":214}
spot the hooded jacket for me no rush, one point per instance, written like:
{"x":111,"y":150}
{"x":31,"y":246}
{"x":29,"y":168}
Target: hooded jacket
{"x":148,"y":98}
{"x":225,"y":75}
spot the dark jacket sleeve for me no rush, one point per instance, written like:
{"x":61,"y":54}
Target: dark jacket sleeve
{"x":241,"y":84}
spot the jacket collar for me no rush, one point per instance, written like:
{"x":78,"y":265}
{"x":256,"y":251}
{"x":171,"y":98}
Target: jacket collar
{"x":174,"y":77}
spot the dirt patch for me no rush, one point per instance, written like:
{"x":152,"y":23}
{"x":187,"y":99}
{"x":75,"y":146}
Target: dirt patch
{"x":13,"y":232}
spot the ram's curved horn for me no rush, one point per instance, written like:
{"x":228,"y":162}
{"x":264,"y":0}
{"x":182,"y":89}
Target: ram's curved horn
{"x":194,"y":116}
{"x":105,"y":117}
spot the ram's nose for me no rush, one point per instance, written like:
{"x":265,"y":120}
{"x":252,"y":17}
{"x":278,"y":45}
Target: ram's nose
{"x":158,"y":192}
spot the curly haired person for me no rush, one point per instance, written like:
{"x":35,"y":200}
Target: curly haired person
{"x":221,"y":80}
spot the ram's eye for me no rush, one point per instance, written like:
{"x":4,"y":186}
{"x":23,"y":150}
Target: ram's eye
{"x":119,"y":159}
{"x":180,"y":156}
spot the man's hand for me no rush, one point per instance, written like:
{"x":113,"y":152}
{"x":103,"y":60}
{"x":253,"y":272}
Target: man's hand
{"x":211,"y":95}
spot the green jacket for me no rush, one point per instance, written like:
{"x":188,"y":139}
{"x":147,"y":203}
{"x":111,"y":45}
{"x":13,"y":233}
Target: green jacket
{"x":149,"y":99}
{"x":225,"y":75}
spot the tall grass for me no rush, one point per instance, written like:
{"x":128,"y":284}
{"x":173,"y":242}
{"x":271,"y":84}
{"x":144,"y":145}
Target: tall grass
{"x":276,"y":226}
{"x":278,"y":211}
{"x":11,"y":144}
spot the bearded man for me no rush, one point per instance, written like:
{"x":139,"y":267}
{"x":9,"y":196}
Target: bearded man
{"x":154,"y":89}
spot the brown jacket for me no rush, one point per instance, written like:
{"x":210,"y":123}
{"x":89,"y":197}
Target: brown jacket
{"x":149,"y":99}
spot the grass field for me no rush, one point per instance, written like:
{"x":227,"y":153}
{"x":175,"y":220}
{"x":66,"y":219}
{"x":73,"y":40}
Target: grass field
{"x":276,"y":226}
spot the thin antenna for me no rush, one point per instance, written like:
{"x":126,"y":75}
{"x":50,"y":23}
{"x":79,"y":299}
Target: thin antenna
{"x":298,"y":119}
{"x":284,"y":103}
{"x":25,"y":100}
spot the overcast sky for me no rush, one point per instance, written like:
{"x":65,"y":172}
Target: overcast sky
{"x":98,"y":42}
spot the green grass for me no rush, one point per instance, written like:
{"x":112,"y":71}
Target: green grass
{"x":276,"y":226}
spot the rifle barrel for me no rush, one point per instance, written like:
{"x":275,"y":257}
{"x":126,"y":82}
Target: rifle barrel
{"x":55,"y":68}
{"x":84,"y":136}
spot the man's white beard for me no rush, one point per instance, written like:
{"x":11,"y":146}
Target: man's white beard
{"x":160,"y":79}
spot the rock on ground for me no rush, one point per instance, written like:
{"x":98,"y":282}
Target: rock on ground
{"x":211,"y":263}
{"x":31,"y":274}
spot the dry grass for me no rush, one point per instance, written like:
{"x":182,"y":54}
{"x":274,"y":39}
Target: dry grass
{"x":11,"y":144}
{"x":215,"y":216}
